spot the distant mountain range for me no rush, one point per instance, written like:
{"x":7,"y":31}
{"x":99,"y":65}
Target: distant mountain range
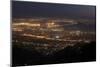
{"x":81,"y":26}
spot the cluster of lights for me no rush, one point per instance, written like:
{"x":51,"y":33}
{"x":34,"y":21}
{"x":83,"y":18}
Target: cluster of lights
{"x":30,"y":35}
{"x":26,"y":24}
{"x":17,"y":29}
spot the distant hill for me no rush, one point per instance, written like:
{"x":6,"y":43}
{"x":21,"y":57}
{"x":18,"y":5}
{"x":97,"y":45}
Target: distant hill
{"x":79,"y":53}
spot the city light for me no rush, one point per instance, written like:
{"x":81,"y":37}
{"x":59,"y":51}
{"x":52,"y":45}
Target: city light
{"x":49,"y":33}
{"x":26,"y":24}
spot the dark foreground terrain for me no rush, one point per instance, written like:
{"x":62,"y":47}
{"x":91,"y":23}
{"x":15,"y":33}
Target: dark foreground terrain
{"x":84,"y":52}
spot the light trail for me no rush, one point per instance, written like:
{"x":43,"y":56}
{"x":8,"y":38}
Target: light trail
{"x":48,"y":38}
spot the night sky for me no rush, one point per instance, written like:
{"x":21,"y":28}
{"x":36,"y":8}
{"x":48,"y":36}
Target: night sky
{"x":35,"y":9}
